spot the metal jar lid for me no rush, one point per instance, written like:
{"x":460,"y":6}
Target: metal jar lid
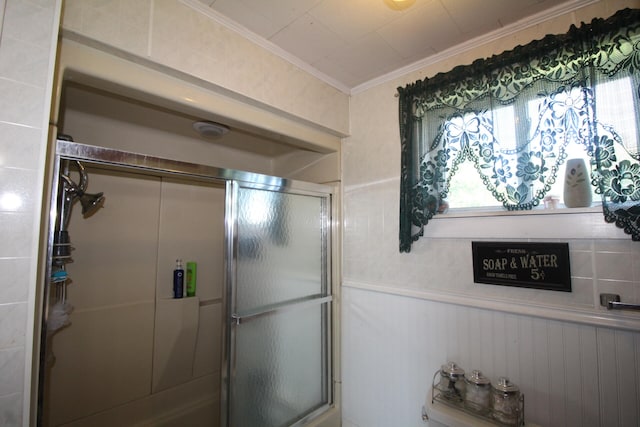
{"x":452,"y":371}
{"x":477,"y":378}
{"x":505,"y":386}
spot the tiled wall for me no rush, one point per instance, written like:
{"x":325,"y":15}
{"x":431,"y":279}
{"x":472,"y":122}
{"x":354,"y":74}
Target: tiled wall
{"x":29,"y":32}
{"x":171,"y":33}
{"x":400,"y":311}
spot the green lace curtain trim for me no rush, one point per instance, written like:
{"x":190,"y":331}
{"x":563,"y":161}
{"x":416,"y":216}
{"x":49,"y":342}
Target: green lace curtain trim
{"x":455,"y":117}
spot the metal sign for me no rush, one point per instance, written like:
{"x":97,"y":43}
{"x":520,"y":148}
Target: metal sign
{"x":522,"y":264}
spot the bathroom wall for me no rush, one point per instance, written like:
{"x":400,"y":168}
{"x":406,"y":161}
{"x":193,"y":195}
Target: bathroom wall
{"x":27,"y":56}
{"x":404,"y":315}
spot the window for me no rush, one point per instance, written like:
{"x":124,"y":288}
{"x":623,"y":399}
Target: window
{"x":498,"y":132}
{"x":615,"y":110}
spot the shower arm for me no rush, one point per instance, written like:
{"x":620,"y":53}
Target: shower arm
{"x":67,"y":197}
{"x":72,"y":192}
{"x":62,"y":199}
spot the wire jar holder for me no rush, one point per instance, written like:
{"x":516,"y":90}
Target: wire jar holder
{"x":441,"y":391}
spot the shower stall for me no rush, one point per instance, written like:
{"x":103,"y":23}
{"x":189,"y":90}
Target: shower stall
{"x":253,"y":347}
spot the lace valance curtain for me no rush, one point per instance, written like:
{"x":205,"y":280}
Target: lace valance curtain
{"x":514,"y":115}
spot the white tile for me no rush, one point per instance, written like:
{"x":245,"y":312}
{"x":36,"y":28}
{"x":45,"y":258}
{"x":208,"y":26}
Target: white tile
{"x":100,"y":25}
{"x":134,"y":39}
{"x":610,"y":245}
{"x":14,"y":227}
{"x":19,"y":190}
{"x":581,"y":264}
{"x":24,"y":62}
{"x":116,"y":22}
{"x":135,"y":14}
{"x":626,"y":290}
{"x":581,"y":245}
{"x":12,"y":368}
{"x":42,"y":3}
{"x":29,"y":22}
{"x":188,"y":28}
{"x":20,"y":146}
{"x":111,"y":7}
{"x":12,"y":270}
{"x":11,"y":410}
{"x":13,"y":324}
{"x":21,"y":104}
{"x":581,"y":294}
{"x":614,"y":265}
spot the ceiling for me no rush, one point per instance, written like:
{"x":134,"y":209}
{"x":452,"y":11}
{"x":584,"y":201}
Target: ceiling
{"x":351,"y":43}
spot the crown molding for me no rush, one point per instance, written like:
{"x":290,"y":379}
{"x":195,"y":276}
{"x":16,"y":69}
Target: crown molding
{"x":523,"y":24}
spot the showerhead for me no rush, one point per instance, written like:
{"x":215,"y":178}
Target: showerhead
{"x":72,"y":192}
{"x":91,"y":203}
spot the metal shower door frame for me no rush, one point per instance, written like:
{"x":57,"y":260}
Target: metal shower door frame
{"x":232,"y":318}
{"x":113,"y":159}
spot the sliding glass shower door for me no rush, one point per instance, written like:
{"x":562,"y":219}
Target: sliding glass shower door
{"x":278,"y":303}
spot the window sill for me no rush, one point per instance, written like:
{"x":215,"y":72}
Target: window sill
{"x":555,"y":224}
{"x":484,"y":212}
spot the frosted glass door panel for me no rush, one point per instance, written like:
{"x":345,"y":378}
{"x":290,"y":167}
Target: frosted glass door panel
{"x":279,"y":370}
{"x":280,"y":248}
{"x":286,"y":378}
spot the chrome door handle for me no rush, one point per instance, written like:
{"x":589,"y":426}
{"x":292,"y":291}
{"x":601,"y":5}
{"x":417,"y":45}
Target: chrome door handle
{"x":612,"y":302}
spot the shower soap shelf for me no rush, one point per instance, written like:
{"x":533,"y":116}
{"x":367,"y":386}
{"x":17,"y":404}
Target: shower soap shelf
{"x":457,"y":401}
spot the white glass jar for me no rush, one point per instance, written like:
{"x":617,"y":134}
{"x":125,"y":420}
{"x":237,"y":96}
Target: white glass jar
{"x":505,"y":399}
{"x":478,"y":392}
{"x":451,"y":383}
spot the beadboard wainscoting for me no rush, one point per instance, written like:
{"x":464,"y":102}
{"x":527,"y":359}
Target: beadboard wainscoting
{"x":572,"y":374}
